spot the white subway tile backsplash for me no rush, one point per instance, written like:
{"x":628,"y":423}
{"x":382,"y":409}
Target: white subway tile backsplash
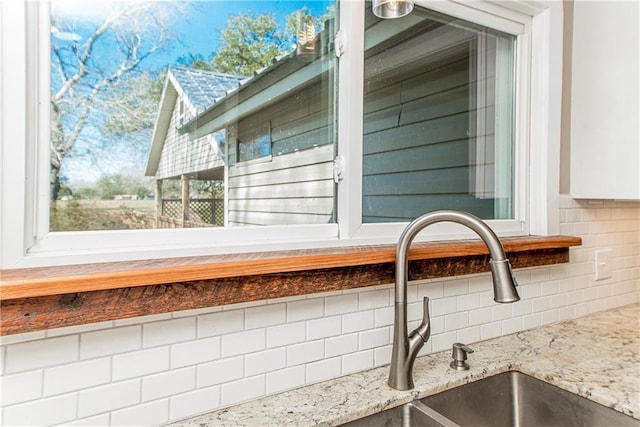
{"x":468,"y":302}
{"x":44,"y":412}
{"x":305,"y":309}
{"x":549,"y":288}
{"x":323,"y":370}
{"x":540,"y":274}
{"x":18,"y":388}
{"x":41,"y":353}
{"x":374,"y":338}
{"x":531,"y":321}
{"x":415,"y":310}
{"x":108,"y":397}
{"x":456,"y":321}
{"x":479,"y":316}
{"x":443,"y":306}
{"x":194,"y":402}
{"x":443,"y":341}
{"x":150,"y":413}
{"x":383,"y":316}
{"x":266,"y":315}
{"x":220,"y":323}
{"x":456,"y":287}
{"x":324,"y":327}
{"x":168,"y":332}
{"x":521,"y":308}
{"x":382,"y":355}
{"x":359,"y":361}
{"x":500,"y":312}
{"x":265,"y":361}
{"x":558,"y":300}
{"x":357,"y":322}
{"x":159,"y":368}
{"x":483,"y":283}
{"x":168,"y":383}
{"x":77,"y":376}
{"x":306,"y":352}
{"x":432,"y":290}
{"x":373,"y":299}
{"x":530,"y":291}
{"x":550,"y":316}
{"x":342,"y":344}
{"x":437,"y":325}
{"x":243,"y":342}
{"x":541,"y":304}
{"x":243,"y":390}
{"x":220,"y":371}
{"x":341,"y":304}
{"x":194,"y":352}
{"x":490,"y":330}
{"x":468,"y":335}
{"x":288,"y":334}
{"x":511,"y":325}
{"x":139,"y":363}
{"x":97,"y":421}
{"x":285,"y":379}
{"x":110,"y":341}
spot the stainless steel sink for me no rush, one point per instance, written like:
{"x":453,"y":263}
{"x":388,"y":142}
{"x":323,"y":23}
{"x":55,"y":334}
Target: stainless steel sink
{"x":515,"y":399}
{"x":508,"y":399}
{"x":415,"y":414}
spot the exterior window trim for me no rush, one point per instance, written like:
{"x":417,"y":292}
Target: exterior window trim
{"x":27,"y":243}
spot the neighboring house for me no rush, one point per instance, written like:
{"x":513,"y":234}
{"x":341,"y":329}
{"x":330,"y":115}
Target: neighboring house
{"x":187,"y":92}
{"x":274,"y":152}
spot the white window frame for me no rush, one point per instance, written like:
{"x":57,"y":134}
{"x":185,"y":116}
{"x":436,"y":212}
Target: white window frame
{"x":24,"y":111}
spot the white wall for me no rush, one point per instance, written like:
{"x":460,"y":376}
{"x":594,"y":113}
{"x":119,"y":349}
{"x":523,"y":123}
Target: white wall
{"x":159,"y":368}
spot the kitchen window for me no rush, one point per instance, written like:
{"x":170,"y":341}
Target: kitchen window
{"x":509,"y":144}
{"x":438,"y":118}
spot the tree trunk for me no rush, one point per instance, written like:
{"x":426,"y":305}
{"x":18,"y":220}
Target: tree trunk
{"x":54,"y":179}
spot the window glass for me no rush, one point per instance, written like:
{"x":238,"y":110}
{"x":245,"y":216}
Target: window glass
{"x":191,"y":114}
{"x":439,"y":118}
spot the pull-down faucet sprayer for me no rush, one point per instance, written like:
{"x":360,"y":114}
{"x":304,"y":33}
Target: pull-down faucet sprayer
{"x":406,"y":346}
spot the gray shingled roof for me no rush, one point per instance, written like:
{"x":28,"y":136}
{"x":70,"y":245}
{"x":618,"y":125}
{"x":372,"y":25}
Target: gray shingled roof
{"x":202,"y":88}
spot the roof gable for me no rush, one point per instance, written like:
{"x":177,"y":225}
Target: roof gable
{"x":199,"y":88}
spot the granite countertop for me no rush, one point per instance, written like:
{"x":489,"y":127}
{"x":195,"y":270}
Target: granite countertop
{"x":597,"y":356}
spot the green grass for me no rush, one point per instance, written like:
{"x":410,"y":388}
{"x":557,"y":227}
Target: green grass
{"x":85,"y":215}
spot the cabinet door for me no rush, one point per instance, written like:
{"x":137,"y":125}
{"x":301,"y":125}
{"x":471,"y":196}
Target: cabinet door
{"x":605,"y":141}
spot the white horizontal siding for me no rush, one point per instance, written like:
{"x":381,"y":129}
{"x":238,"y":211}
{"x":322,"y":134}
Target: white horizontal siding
{"x":294,"y":188}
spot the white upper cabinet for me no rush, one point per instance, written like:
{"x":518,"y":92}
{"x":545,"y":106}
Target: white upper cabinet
{"x":605,"y":141}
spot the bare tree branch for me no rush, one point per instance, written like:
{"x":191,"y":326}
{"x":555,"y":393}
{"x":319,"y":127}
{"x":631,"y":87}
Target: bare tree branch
{"x":85,"y":73}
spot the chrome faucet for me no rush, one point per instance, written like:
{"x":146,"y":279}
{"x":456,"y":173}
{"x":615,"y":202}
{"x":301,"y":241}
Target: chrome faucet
{"x":406,"y":346}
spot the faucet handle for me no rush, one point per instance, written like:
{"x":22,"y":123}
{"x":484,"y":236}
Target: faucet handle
{"x":459,"y":354}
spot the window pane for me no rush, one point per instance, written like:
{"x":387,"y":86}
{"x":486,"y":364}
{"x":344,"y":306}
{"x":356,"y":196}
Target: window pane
{"x":439,"y":118}
{"x":191,"y":113}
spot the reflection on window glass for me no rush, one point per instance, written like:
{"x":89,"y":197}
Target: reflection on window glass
{"x":173,"y":114}
{"x":439,"y":118}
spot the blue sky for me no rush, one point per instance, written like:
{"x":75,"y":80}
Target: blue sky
{"x":199,"y":31}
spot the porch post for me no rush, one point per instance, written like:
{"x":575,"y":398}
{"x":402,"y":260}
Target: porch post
{"x":159,"y":203}
{"x":185,"y":198}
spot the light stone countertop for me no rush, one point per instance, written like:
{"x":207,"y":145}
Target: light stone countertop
{"x":597,"y":356}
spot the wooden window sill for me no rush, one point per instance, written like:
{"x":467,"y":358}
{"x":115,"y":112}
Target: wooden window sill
{"x":52,"y":297}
